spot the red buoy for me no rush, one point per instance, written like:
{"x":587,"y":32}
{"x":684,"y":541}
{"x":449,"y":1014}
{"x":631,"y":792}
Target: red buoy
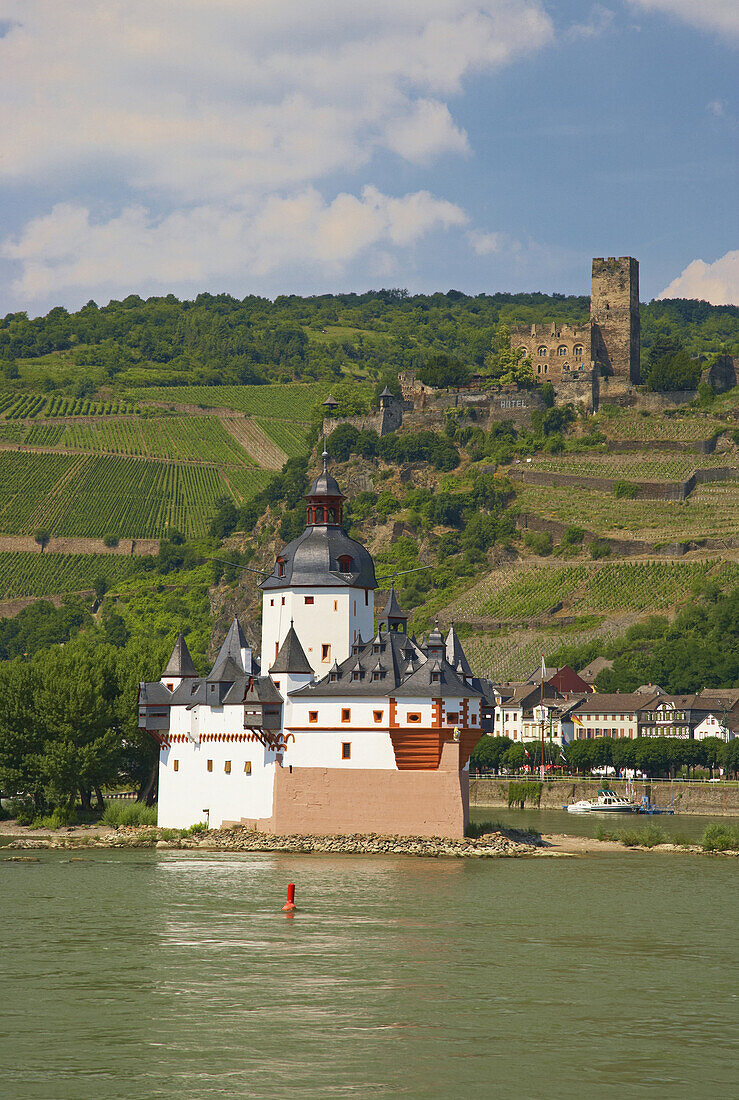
{"x":289,"y":906}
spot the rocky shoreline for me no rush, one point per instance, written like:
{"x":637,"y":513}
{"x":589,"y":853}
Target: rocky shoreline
{"x":497,"y":844}
{"x":240,"y":839}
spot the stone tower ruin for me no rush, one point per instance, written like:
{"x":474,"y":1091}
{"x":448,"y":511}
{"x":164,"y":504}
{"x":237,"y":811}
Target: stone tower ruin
{"x":614,"y":317}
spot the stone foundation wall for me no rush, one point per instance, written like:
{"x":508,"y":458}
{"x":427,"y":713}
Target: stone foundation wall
{"x":645,"y":490}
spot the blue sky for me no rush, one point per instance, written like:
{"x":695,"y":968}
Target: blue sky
{"x":278,"y":146}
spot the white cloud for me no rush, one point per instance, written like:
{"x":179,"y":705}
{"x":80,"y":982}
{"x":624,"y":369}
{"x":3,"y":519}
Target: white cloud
{"x":717,"y":283}
{"x":598,"y":22}
{"x":484,"y":244}
{"x":68,"y":248}
{"x":225,"y":117}
{"x":211,"y":97}
{"x":721,"y":16}
{"x":716,"y":108}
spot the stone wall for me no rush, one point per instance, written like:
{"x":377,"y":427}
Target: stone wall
{"x":614,"y":316}
{"x":336,"y":801}
{"x":555,"y":350}
{"x":716,"y":799}
{"x":382,"y":421}
{"x":722,"y":375}
{"x":645,"y":490}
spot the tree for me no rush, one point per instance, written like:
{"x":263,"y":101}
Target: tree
{"x":730,"y":757}
{"x":100,"y":584}
{"x":488,"y":753}
{"x":507,"y":365}
{"x":442,"y":371}
{"x":43,"y":538}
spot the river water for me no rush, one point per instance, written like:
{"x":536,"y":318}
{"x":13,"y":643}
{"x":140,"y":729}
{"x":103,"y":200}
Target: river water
{"x":144,"y":975}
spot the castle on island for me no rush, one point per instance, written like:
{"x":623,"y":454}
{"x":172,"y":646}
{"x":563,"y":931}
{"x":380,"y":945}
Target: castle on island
{"x":347,"y":727}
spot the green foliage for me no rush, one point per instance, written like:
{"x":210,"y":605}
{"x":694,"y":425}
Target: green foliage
{"x":538,"y":541}
{"x":43,"y":538}
{"x":648,"y":837}
{"x":573,"y":536}
{"x":625,"y":490}
{"x":522,"y":791}
{"x":700,"y":648}
{"x":600,"y":548}
{"x":670,"y":368}
{"x":721,"y":838}
{"x":488,"y":753}
{"x":119,"y":812}
{"x":40,"y":625}
{"x":443,"y":371}
{"x":506,"y":365}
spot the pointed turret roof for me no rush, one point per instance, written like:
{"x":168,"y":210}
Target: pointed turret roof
{"x":386,"y":392}
{"x":180,"y":663}
{"x":291,"y":656}
{"x":392,"y":609}
{"x":455,"y":655}
{"x":435,"y":638}
{"x":229,"y":664}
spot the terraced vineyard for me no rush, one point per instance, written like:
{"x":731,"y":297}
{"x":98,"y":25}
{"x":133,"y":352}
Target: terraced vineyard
{"x":292,"y":401}
{"x":289,"y":437}
{"x":180,"y":437}
{"x":711,"y":511}
{"x":90,"y":495}
{"x":516,"y":654}
{"x":595,"y":588}
{"x":31,"y":574}
{"x":627,"y":425}
{"x":630,"y":467}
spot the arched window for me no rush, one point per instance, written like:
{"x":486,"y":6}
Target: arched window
{"x":542,"y":351}
{"x":523,"y":351}
{"x":346,"y":563}
{"x":280,"y":567}
{"x":332,"y":515}
{"x":577,"y":351}
{"x":561,"y":350}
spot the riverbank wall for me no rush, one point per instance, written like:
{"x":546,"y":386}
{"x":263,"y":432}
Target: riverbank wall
{"x":713,"y":799}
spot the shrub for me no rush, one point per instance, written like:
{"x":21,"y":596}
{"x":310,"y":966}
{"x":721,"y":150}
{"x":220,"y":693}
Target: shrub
{"x":538,"y":541}
{"x":600,"y":548}
{"x":573,"y":536}
{"x":129,"y":813}
{"x":721,"y":838}
{"x":643,"y":838}
{"x":110,"y":540}
{"x":625,"y":489}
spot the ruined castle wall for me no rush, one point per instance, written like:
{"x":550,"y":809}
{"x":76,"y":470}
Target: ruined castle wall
{"x":556,"y":351}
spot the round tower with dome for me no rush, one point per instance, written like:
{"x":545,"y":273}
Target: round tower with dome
{"x":323,"y":582}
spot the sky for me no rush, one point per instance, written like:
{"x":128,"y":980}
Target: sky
{"x":282,"y":146}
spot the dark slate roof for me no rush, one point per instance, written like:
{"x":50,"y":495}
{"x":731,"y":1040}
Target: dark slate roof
{"x":330,"y":401}
{"x":386,"y":393}
{"x":180,"y":663}
{"x":421,"y":684}
{"x":406,"y":672}
{"x":253,"y":689}
{"x":291,"y":657}
{"x":455,"y":655}
{"x":155,"y":694}
{"x":225,"y":670}
{"x":229,"y":655}
{"x":313,"y":559}
{"x":325,"y":485}
{"x":392,"y":609}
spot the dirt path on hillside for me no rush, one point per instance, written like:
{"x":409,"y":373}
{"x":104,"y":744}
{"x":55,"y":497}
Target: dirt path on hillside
{"x":255,"y":441}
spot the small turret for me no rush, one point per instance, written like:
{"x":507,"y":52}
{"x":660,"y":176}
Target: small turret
{"x":180,"y":665}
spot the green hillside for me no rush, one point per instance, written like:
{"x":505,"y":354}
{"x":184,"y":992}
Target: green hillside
{"x":174,"y":421}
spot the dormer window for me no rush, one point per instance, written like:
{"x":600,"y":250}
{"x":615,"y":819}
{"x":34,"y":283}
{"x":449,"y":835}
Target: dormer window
{"x":346,"y":563}
{"x":435,"y":677}
{"x":280,"y":567}
{"x":333,"y":677}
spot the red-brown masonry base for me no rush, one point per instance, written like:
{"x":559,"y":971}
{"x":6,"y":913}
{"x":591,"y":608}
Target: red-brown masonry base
{"x":334,"y":801}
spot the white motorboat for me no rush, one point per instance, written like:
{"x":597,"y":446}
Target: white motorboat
{"x":607,"y":802}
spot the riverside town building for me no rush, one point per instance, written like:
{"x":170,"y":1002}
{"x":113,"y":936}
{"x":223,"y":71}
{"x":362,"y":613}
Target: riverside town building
{"x":345,"y":728}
